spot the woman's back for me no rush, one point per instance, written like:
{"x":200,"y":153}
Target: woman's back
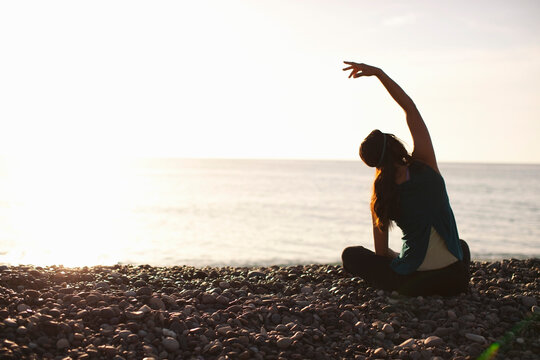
{"x":424,"y":206}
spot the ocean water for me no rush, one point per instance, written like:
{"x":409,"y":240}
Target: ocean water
{"x":238,"y":212}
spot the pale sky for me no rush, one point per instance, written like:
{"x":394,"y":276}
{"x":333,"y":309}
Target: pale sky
{"x":263,"y":79}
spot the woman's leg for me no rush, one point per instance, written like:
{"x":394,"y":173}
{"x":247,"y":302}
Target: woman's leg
{"x":448,"y":281}
{"x":466,"y":252}
{"x":374,"y":269}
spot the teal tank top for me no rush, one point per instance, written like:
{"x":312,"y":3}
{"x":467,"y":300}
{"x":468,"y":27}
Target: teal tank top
{"x":423,"y":204}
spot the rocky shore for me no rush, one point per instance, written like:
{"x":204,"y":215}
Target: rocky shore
{"x":293,"y":312}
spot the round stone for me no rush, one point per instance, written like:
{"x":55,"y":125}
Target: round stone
{"x":433,"y":341}
{"x":379,"y":352}
{"x":284,"y":342}
{"x":387,"y":328}
{"x":476,"y":338}
{"x":62,"y":343}
{"x":170,"y":344}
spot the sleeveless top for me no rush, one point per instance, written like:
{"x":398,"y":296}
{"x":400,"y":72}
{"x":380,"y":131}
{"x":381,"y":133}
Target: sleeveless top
{"x":423,"y":205}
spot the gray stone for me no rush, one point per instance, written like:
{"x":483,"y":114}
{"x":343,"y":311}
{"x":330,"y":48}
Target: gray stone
{"x":284,"y":342}
{"x":156,"y":303}
{"x":170,"y":344}
{"x":168,"y":332}
{"x":256,"y":274}
{"x":124,"y":334}
{"x":62,"y":343}
{"x":433,"y":341}
{"x":22,"y":307}
{"x":407,"y":343}
{"x":306,"y":290}
{"x":134,"y":315}
{"x":144,"y":291}
{"x":476,"y":338}
{"x":208,"y":299}
{"x":528,"y":301}
{"x":379,"y":352}
{"x":10,"y":322}
{"x":387,"y":328}
{"x":224,"y":330}
{"x":103,"y":285}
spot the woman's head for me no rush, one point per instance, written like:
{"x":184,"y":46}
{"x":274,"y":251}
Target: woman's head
{"x":385,"y":152}
{"x":380,"y":150}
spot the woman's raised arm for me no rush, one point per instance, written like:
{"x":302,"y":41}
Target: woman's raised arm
{"x":423,"y":147}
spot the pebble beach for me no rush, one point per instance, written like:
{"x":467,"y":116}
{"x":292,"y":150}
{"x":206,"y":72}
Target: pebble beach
{"x":279,"y":312}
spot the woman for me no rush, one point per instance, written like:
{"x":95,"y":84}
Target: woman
{"x":409,"y":190}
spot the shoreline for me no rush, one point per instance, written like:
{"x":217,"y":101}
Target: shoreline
{"x":275,"y":312}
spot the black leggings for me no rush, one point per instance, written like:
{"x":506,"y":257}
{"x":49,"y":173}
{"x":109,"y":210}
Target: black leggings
{"x":376,"y":271}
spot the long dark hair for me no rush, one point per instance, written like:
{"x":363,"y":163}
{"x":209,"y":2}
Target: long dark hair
{"x":384,"y":152}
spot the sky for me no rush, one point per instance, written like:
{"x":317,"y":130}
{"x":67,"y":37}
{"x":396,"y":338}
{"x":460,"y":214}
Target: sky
{"x":263,"y":79}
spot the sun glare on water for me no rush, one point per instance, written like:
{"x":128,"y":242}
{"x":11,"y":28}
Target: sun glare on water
{"x":66,"y":211}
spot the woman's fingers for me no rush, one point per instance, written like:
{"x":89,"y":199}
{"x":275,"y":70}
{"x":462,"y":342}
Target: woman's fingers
{"x":348,"y":68}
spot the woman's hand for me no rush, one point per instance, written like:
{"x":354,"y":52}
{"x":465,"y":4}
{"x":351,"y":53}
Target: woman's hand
{"x":358,"y":70}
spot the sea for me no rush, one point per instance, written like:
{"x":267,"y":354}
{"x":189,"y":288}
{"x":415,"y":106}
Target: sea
{"x":222,"y":212}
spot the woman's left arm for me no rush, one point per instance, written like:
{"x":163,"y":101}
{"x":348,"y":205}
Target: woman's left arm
{"x":380,"y":238}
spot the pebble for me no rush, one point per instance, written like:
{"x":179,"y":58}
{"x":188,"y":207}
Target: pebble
{"x":476,"y":338}
{"x":433,"y":341}
{"x":379,"y":352}
{"x":22,"y":307}
{"x":170,"y":344}
{"x":22,"y":330}
{"x":256,"y":274}
{"x":284,"y":342}
{"x":208,"y":299}
{"x":387,"y":328}
{"x":10,"y":322}
{"x":528,"y":301}
{"x":278,"y":312}
{"x":156,"y":303}
{"x":168,"y":332}
{"x":62,"y":343}
{"x":407,"y":343}
{"x":224,"y":330}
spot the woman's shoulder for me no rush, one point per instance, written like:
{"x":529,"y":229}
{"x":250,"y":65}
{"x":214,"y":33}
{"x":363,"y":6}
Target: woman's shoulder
{"x":419,"y":165}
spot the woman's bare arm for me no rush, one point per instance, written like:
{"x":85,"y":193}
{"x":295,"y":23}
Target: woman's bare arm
{"x":423,"y":147}
{"x":380,"y":239}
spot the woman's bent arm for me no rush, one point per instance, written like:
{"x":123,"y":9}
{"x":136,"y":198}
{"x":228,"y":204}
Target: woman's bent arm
{"x":380,"y":239}
{"x":423,"y":147}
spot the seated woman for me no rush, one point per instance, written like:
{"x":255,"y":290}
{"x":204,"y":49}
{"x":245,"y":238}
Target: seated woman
{"x":409,"y":190}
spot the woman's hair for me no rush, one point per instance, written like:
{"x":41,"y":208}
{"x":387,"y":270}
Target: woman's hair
{"x":384,"y":151}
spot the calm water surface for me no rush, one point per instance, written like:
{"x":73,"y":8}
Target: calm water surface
{"x":239,"y":212}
